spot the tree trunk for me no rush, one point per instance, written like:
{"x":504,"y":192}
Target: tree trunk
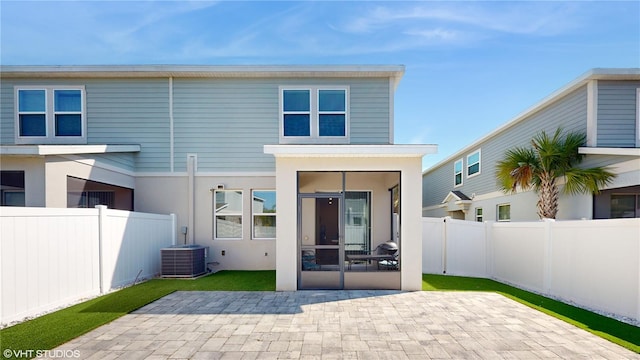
{"x":547,"y":197}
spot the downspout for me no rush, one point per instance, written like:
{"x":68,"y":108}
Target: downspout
{"x":191,"y":199}
{"x":171,"y":144}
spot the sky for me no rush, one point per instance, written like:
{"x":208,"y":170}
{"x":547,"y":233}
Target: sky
{"x":471,"y":66}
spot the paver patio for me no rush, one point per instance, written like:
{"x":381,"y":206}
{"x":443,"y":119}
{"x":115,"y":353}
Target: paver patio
{"x":352,"y":324}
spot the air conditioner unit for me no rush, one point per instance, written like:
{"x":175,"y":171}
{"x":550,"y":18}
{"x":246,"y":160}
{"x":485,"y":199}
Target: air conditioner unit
{"x":183,"y":261}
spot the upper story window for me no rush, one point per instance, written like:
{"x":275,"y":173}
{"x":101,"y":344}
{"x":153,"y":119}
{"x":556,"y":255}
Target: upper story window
{"x":50,"y":115}
{"x":314,"y":115}
{"x":473,"y":163}
{"x":457,"y":173}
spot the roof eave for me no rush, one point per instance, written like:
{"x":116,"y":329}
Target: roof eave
{"x":202,"y":71}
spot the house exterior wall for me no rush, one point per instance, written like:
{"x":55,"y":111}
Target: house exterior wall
{"x":118,"y":111}
{"x":57,"y":168}
{"x":201,"y":129}
{"x":617,"y":119}
{"x":225,"y":121}
{"x":605,"y":110}
{"x":33,"y":167}
{"x":570,"y":113}
{"x":411,"y":229}
{"x":240,"y":254}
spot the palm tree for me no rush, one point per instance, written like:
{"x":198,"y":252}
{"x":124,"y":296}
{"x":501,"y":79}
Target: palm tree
{"x":540,"y":167}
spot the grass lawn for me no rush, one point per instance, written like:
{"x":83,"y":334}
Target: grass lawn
{"x":51,"y":330}
{"x":615,"y":331}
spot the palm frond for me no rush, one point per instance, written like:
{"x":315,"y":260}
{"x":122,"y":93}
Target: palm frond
{"x":518,"y":168}
{"x":585,"y":181}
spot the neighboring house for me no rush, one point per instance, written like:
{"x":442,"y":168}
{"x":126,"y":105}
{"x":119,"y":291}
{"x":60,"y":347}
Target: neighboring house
{"x":603,"y":103}
{"x":264,"y":165}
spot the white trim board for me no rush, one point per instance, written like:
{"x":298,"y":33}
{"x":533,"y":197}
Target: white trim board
{"x":65,"y":149}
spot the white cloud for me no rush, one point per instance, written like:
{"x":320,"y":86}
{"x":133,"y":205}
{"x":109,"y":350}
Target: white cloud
{"x":536,"y":18}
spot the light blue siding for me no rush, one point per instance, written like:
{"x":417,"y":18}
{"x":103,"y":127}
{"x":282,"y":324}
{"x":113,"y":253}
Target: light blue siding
{"x":570,"y":113}
{"x":131,"y":111}
{"x":124,"y":161}
{"x":119,"y":111}
{"x":617,"y":113}
{"x":7,"y":113}
{"x":226,"y":122}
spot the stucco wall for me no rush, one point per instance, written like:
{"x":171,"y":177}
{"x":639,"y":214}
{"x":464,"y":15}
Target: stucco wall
{"x":411,"y":230}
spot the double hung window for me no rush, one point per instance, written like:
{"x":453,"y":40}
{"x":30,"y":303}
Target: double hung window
{"x":227,"y":214}
{"x":263,"y":210}
{"x":314,"y":115}
{"x":50,"y":114}
{"x":479,"y":216}
{"x":457,"y":173}
{"x":473,"y":164}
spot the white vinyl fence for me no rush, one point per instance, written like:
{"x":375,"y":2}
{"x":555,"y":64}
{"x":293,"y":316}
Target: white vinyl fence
{"x":592,"y":263}
{"x":52,"y":257}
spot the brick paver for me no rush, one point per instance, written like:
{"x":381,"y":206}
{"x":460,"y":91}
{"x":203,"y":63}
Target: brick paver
{"x":350,"y":324}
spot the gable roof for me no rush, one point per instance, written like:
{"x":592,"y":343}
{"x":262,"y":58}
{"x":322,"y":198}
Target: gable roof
{"x":457,"y":196}
{"x":593,"y":74}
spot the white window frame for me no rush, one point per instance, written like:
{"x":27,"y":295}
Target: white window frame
{"x":240,"y":213}
{"x":469,"y":165}
{"x":498,"y":212}
{"x":455,"y":173}
{"x":50,"y":116}
{"x":314,"y":117}
{"x":479,"y":218}
{"x":254,"y":214}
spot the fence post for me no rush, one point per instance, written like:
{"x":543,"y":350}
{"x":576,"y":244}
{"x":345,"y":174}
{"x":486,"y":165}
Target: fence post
{"x":101,"y":237}
{"x":488,"y":238}
{"x":444,"y":244}
{"x":548,"y":250}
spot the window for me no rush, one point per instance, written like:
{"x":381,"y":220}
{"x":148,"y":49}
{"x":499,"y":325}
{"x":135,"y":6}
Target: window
{"x":83,"y":193}
{"x":357,"y":221}
{"x":473,"y":164}
{"x":50,"y":115}
{"x":12,"y":188}
{"x":227,"y":214}
{"x":332,"y":112}
{"x":479,"y":217}
{"x":263,"y":208}
{"x":457,"y":173}
{"x":624,"y":206}
{"x":89,"y":199}
{"x":504,"y":212}
{"x":296,"y":112}
{"x":314,"y":114}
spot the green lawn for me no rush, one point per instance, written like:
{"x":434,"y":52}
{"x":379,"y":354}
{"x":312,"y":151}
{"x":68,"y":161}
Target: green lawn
{"x":615,"y":331}
{"x":51,"y":330}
